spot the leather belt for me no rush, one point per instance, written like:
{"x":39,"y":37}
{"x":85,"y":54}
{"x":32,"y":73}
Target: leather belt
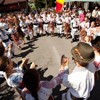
{"x":6,"y":40}
{"x":59,"y":24}
{"x":35,"y":24}
{"x":75,"y":27}
{"x":46,"y":23}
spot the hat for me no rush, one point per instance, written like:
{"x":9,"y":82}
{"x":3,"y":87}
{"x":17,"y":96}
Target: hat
{"x":83,"y":52}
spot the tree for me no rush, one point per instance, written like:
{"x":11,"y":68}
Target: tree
{"x":51,"y":3}
{"x":39,"y":3}
{"x":42,"y":3}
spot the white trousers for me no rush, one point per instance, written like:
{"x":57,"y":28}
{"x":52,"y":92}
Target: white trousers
{"x":45,"y":27}
{"x":59,"y":29}
{"x":73,"y":31}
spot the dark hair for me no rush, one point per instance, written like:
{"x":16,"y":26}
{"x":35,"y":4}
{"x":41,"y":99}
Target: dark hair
{"x":96,"y":43}
{"x":20,"y":32}
{"x":2,"y":49}
{"x":4,"y":61}
{"x":31,"y":80}
{"x":83,"y":64}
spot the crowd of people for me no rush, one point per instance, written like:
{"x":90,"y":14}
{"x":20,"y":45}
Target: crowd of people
{"x":15,"y":27}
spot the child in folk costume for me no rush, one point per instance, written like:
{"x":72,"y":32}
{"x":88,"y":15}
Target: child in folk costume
{"x":81,"y":81}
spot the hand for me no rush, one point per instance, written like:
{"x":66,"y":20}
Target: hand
{"x":67,"y":62}
{"x":64,"y":62}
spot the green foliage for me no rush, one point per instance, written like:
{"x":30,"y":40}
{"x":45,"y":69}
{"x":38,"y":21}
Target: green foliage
{"x":32,"y":5}
{"x":51,"y":3}
{"x":38,"y":4}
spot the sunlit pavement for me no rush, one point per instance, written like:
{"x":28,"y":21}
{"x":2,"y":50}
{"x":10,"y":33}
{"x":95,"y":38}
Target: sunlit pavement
{"x":46,"y":52}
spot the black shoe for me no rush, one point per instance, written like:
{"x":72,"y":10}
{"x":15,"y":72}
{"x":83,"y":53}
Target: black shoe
{"x":47,"y":34}
{"x":28,"y":38}
{"x":73,"y":40}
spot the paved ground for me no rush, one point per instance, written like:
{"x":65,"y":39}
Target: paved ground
{"x":46,"y":52}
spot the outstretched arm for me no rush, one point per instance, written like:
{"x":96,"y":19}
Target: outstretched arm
{"x":59,"y":78}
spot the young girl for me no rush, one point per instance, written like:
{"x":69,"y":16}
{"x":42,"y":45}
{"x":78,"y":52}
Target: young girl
{"x":42,"y":90}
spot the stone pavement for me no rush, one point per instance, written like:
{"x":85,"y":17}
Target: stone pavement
{"x":46,"y":53}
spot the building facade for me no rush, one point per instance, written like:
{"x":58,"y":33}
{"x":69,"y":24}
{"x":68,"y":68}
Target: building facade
{"x":12,"y":5}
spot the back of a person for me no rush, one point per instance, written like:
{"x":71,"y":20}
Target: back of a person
{"x":84,"y":83}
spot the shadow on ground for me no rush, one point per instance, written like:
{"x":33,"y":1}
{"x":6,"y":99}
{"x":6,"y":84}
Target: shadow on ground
{"x":7,"y":93}
{"x":57,"y":93}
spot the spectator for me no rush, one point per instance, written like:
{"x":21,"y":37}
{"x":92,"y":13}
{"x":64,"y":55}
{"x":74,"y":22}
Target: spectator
{"x":82,"y":16}
{"x":95,"y":14}
{"x":96,"y":48}
{"x":88,"y":14}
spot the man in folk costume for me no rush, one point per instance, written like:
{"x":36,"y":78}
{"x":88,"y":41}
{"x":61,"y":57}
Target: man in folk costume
{"x":7,"y":43}
{"x":36,"y":26}
{"x":45,"y":24}
{"x":74,"y":29}
{"x":59,"y":26}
